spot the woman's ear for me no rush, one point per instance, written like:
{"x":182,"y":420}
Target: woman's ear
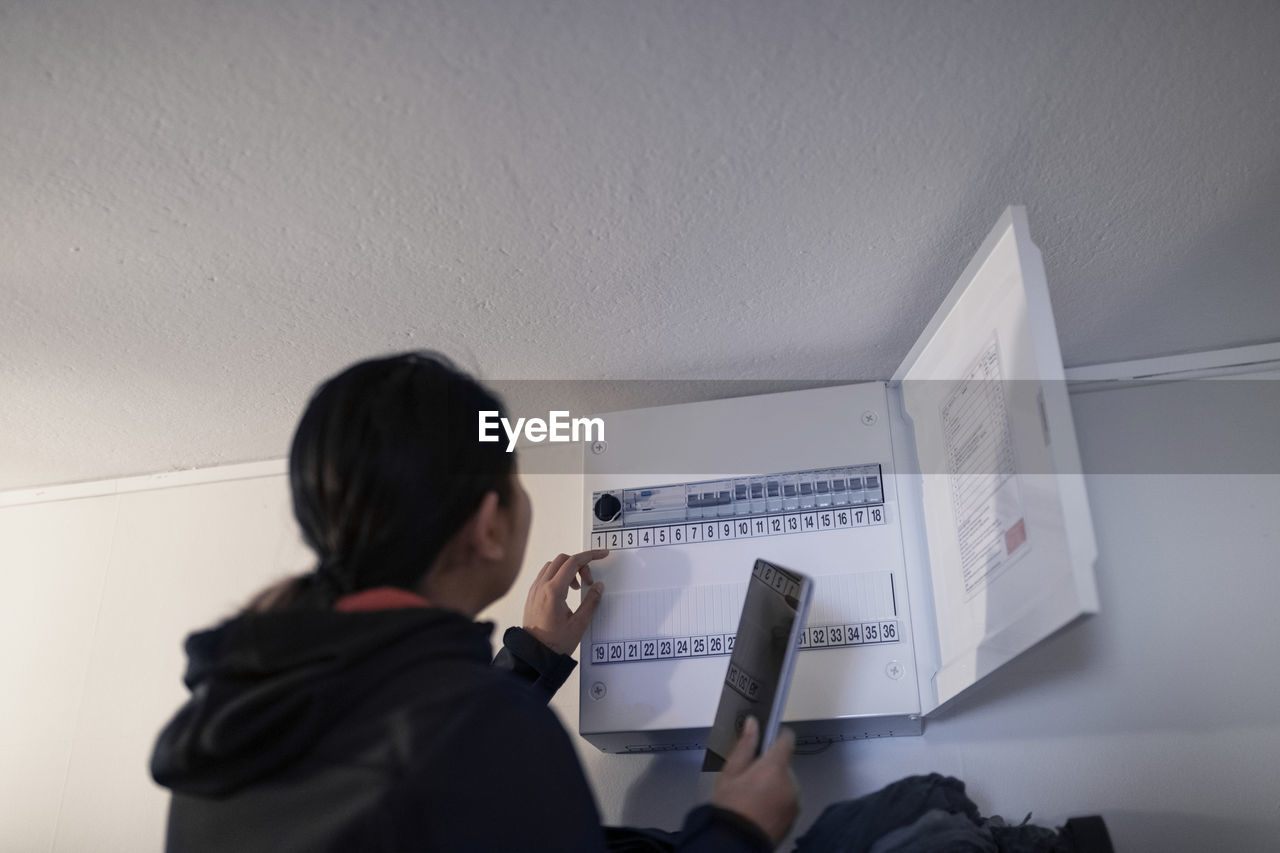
{"x":488,"y":529}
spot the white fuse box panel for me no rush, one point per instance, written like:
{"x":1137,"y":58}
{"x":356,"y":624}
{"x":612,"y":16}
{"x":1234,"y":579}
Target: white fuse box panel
{"x":942,"y":515}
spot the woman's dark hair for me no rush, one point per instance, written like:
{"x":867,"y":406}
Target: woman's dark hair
{"x":385,"y":467}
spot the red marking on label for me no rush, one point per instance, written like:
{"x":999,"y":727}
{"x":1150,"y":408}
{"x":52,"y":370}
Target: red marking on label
{"x":1015,"y":536}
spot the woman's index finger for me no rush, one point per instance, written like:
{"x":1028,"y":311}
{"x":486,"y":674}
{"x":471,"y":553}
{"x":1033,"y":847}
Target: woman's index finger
{"x":578,"y":563}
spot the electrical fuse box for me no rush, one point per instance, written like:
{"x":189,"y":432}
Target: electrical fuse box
{"x":942,"y":515}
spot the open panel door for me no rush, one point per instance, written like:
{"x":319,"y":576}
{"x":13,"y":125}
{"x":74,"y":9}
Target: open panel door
{"x":1010,"y":546}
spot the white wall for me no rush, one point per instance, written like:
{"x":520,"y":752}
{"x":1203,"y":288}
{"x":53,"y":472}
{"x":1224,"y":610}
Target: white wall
{"x":99,"y":592}
{"x":1160,"y":713}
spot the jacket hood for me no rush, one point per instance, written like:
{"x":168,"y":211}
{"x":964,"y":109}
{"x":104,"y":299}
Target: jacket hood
{"x":264,"y":687}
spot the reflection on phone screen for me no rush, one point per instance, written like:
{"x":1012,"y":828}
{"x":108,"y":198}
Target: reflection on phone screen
{"x":762,"y":650}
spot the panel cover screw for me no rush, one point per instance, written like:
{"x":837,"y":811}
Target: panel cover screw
{"x":868,"y":418}
{"x":894,"y":670}
{"x":599,"y":447}
{"x":598,"y":690}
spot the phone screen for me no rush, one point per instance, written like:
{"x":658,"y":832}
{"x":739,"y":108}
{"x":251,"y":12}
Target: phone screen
{"x":763,"y":654}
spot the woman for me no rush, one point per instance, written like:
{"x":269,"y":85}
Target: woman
{"x":356,"y":708}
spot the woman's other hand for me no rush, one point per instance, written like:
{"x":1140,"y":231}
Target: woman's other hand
{"x":763,"y":790}
{"x":546,"y":611}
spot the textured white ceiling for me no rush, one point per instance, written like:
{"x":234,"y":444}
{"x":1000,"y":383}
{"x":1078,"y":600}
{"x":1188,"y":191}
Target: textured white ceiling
{"x":209,"y":206}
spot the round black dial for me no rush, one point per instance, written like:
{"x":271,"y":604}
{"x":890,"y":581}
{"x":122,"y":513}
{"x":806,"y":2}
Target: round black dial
{"x":608,"y":507}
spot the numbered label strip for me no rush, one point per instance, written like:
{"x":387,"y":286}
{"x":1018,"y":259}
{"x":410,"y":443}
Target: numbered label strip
{"x":781,"y":524}
{"x":710,"y":645}
{"x":696,"y":621}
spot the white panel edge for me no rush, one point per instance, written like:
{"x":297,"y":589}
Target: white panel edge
{"x":1064,"y":446}
{"x":971,"y":270}
{"x":145,"y":482}
{"x":915,"y":553}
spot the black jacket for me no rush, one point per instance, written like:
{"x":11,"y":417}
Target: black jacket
{"x":388,"y":731}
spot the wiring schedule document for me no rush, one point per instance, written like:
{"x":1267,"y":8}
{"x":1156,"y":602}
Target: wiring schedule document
{"x":978,"y":445}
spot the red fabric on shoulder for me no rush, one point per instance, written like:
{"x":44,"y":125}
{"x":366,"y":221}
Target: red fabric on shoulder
{"x":379,"y":598}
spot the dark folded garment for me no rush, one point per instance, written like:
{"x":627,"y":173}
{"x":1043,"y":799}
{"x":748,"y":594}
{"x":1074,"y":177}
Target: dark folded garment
{"x":932,"y":814}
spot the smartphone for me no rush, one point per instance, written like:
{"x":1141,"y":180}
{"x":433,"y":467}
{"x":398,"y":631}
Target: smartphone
{"x":764,"y":654}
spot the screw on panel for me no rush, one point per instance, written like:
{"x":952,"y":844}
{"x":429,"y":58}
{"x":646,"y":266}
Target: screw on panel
{"x":599,"y":447}
{"x":598,"y":690}
{"x":869,"y":418}
{"x":894,"y":670}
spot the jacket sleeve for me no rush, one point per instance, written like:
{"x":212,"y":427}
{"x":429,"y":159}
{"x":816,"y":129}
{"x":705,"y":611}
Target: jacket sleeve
{"x":709,"y":828}
{"x":529,"y":660}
